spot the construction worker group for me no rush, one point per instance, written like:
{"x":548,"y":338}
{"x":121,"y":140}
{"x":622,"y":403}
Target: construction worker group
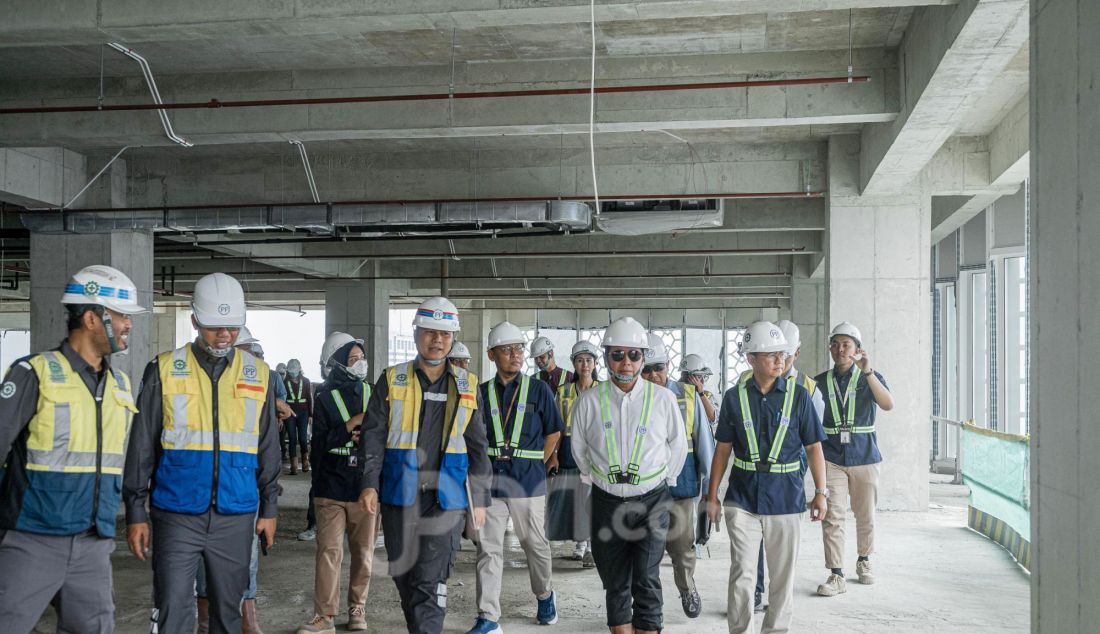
{"x":627,"y":468}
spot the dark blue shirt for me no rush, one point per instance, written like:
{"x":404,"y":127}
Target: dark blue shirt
{"x":863,"y":448}
{"x":521,"y":477}
{"x":768,"y":493}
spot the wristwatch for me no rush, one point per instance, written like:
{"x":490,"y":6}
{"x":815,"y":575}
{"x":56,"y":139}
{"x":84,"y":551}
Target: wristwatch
{"x":824,"y":492}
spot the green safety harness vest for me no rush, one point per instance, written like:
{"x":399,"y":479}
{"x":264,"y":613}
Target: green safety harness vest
{"x":847,"y":425}
{"x":296,"y":398}
{"x":772,"y":464}
{"x":615,"y":473}
{"x":506,"y":449}
{"x":348,"y":447}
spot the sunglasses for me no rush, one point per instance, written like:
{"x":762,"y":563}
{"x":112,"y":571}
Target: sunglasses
{"x":618,"y":355}
{"x":656,"y":367}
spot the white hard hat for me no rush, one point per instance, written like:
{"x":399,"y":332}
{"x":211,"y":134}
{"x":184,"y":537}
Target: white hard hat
{"x":790,"y":331}
{"x":459,"y":351}
{"x":845,"y":328}
{"x":541,"y":346}
{"x":437,"y":313}
{"x":763,"y":336}
{"x":218,"y":302}
{"x":584,"y":347}
{"x":694,"y":364}
{"x":625,"y":332}
{"x":504,"y":334}
{"x":334,"y":342}
{"x":294,"y":366}
{"x":244,"y":337}
{"x":657,"y":352}
{"x":103,"y":286}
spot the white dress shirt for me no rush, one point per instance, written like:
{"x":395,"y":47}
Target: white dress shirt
{"x":665,"y":443}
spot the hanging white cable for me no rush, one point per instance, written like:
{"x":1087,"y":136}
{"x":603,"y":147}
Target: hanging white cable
{"x":94,"y":178}
{"x":592,"y":113}
{"x":309,"y":170}
{"x":148,"y":73}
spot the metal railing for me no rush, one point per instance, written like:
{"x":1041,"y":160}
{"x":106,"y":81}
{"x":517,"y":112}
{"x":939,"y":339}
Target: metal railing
{"x":957,"y":426}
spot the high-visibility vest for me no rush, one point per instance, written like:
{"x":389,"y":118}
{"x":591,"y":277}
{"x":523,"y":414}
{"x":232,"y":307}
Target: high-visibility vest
{"x":345,"y":416}
{"x":300,"y":397}
{"x":76,"y":446}
{"x":502,"y":445}
{"x":687,"y":410}
{"x":400,"y":467}
{"x":848,"y":423}
{"x":211,"y":434}
{"x":566,"y":396}
{"x":772,"y":464}
{"x":615,"y":473}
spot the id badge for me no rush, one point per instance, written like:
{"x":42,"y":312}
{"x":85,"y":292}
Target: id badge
{"x":353,"y":460}
{"x":845,"y":437}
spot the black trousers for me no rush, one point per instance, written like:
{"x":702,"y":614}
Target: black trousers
{"x":628,"y":542}
{"x":421,"y":549}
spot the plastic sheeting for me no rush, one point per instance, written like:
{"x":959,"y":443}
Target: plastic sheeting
{"x":996,"y":467}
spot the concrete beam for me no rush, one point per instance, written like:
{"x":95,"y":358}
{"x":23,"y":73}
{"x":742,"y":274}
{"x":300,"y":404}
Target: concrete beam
{"x":40,"y":176}
{"x":950,"y":56}
{"x":91,"y":21}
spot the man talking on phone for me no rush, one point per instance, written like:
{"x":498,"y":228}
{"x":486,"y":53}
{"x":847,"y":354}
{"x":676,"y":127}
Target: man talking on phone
{"x":764,"y":423}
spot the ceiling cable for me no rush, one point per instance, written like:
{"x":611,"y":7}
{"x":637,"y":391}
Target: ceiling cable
{"x":592,"y":113}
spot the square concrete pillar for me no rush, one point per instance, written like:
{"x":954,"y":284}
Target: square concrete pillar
{"x":1064,"y":305}
{"x":54,"y":260}
{"x":361,"y":308}
{"x":877,"y":277}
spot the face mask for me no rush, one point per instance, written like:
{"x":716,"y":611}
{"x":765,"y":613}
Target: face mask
{"x":432,"y":362}
{"x":217,"y":353}
{"x":293,"y":373}
{"x":359,"y":369}
{"x":110,"y":329}
{"x":622,"y":378}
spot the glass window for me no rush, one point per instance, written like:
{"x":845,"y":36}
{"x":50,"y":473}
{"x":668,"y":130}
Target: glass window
{"x":402,"y":348}
{"x":979,"y":354}
{"x":1016,"y":348}
{"x":14,"y":345}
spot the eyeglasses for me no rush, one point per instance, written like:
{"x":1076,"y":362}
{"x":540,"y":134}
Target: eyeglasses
{"x":618,"y":355}
{"x":774,"y":356}
{"x":656,"y":367}
{"x":512,"y":351}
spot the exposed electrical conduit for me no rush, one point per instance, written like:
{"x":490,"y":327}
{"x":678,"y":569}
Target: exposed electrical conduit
{"x":158,"y":102}
{"x":278,"y":275}
{"x":541,"y":92}
{"x":309,"y":170}
{"x":526,"y":255}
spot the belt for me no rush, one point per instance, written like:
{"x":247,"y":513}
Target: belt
{"x":630,"y":498}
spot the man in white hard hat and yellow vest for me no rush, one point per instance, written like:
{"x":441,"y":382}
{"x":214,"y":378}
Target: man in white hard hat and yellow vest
{"x":204,"y":455}
{"x":64,"y":418}
{"x":854,"y":392}
{"x":629,"y":442}
{"x":426,"y":463}
{"x":764,"y":425}
{"x":542,"y":351}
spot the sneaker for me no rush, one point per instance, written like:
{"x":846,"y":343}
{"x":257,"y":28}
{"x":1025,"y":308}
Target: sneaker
{"x":692,"y":603}
{"x":833,"y":586}
{"x":483,"y":626}
{"x":357,"y":619}
{"x":307,"y":535}
{"x":758,"y":603}
{"x":866,"y":575}
{"x":548,"y":610}
{"x":319,"y":625}
{"x":578,"y":552}
{"x":588,"y":561}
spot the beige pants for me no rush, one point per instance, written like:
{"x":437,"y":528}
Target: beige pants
{"x":680,"y":543}
{"x":335,"y":520}
{"x":528,"y":521}
{"x":780,"y":536}
{"x":860,"y":484}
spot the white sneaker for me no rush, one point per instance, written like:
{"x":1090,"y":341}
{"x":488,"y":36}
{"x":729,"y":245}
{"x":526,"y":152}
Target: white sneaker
{"x":307,"y":535}
{"x":833,"y":586}
{"x":866,"y":575}
{"x":578,"y":552}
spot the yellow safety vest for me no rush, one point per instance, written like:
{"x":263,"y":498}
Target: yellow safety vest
{"x":687,"y":410}
{"x":400,"y":466}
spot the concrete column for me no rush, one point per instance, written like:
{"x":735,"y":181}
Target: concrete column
{"x":473,"y":335}
{"x":362,"y":309}
{"x":54,"y":259}
{"x":877,"y":269}
{"x":1065,"y":323}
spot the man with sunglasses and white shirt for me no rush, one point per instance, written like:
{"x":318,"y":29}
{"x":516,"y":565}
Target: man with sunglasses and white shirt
{"x":629,"y":442}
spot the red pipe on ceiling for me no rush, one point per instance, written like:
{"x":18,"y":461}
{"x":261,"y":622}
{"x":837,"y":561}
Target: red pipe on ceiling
{"x":442,"y":96}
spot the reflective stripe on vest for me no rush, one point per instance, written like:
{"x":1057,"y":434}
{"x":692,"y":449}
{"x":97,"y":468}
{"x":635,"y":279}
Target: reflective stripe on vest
{"x":632,"y":469}
{"x":517,"y":423}
{"x":772,"y":465}
{"x":847,"y":423}
{"x":567,"y":395}
{"x":345,"y":416}
{"x":400,"y":467}
{"x":62,"y":435}
{"x":687,"y":410}
{"x":300,"y":397}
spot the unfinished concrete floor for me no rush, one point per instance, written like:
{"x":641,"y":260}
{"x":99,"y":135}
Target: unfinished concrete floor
{"x":934,"y":576}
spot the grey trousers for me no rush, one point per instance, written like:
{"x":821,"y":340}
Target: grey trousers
{"x":223,"y":544}
{"x":76,"y":569}
{"x":529,"y":522}
{"x":680,"y":543}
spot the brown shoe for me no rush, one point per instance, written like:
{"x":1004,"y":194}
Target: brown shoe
{"x":293,"y":466}
{"x":204,"y":614}
{"x":318,"y":625}
{"x":250,"y":624}
{"x":305,"y":463}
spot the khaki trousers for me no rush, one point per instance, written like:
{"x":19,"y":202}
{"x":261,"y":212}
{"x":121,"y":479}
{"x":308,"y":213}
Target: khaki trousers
{"x":680,"y":543}
{"x":860,"y":486}
{"x":529,"y":523}
{"x":336,"y":519}
{"x":779,"y":534}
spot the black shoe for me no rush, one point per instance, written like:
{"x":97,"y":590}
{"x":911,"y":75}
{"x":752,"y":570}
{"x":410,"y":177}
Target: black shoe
{"x":758,"y":604}
{"x":692,"y":602}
